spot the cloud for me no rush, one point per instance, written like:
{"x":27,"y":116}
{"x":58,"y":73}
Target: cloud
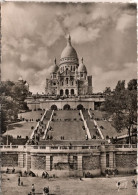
{"x":34,"y":33}
{"x":125,"y":22}
{"x":101,"y":79}
{"x":83,"y":35}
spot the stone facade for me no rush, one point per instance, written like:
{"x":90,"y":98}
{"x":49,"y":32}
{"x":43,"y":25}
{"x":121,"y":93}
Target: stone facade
{"x":9,"y":160}
{"x":38,"y":162}
{"x":69,"y":78}
{"x":91,"y":162}
{"x":74,"y":161}
{"x":126,"y":160}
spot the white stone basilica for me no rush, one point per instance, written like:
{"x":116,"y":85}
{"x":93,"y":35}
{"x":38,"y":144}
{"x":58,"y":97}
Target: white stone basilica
{"x":69,"y":78}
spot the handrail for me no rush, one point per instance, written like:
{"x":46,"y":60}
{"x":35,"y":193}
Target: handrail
{"x":38,"y":124}
{"x":98,"y":129}
{"x":85,"y":125}
{"x":48,"y":124}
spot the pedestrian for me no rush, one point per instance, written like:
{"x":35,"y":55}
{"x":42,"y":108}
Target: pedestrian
{"x":19,"y":180}
{"x":33,"y":189}
{"x":118,"y":186}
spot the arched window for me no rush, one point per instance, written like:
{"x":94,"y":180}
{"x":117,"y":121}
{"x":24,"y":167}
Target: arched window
{"x":53,"y":107}
{"x":72,"y":91}
{"x":66,"y":107}
{"x":80,"y":107}
{"x":74,"y":68}
{"x":67,"y":92}
{"x":81,"y":74}
{"x":67,"y":80}
{"x":61,"y":92}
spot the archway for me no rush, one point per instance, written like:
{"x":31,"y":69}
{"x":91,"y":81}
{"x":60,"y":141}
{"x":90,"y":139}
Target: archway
{"x":72,"y":91}
{"x":66,"y":107}
{"x":67,"y":92}
{"x":80,"y":107}
{"x":61,"y":92}
{"x":53,"y":107}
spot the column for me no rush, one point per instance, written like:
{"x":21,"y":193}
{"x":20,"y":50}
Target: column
{"x":20,"y":160}
{"x":28,"y":161}
{"x":103,"y":161}
{"x":80,"y":162}
{"x":114,"y":160}
{"x":111,"y":160}
{"x":47,"y":162}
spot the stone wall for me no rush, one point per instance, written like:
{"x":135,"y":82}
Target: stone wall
{"x":73,"y":162}
{"x":60,"y":162}
{"x":126,"y":160}
{"x":38,"y":162}
{"x":60,"y":104}
{"x":90,"y":162}
{"x":9,"y":160}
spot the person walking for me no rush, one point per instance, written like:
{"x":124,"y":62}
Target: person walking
{"x":19,"y":180}
{"x":33,"y":189}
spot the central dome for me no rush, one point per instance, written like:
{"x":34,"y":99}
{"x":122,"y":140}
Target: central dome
{"x":69,"y":54}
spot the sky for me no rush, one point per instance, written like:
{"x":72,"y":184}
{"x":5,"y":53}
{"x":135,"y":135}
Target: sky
{"x":104,"y":34}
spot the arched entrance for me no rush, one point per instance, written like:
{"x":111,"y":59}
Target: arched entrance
{"x":72,"y":91}
{"x":67,"y":92}
{"x":53,"y":107}
{"x":80,"y":107}
{"x":66,"y":107}
{"x":61,"y":92}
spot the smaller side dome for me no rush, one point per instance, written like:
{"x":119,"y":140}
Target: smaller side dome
{"x":82,"y":67}
{"x":54,"y":68}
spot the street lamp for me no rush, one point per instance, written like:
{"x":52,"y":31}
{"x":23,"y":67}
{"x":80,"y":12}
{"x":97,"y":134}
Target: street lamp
{"x":7,"y":134}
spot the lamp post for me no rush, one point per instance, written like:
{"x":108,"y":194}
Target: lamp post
{"x":7,"y":134}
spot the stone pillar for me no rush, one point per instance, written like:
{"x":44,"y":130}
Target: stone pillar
{"x":111,"y":159}
{"x":114,"y":162}
{"x":32,"y":162}
{"x":103,"y":161}
{"x":28,"y":161}
{"x":80,"y":162}
{"x":20,"y":160}
{"x":47,"y":162}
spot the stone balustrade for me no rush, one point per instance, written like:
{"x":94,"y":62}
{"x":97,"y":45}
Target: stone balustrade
{"x":43,"y":148}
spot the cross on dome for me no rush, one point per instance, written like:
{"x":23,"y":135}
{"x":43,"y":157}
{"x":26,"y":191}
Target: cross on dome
{"x":69,"y":39}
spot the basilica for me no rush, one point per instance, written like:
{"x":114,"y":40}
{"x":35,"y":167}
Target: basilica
{"x":69,"y":77}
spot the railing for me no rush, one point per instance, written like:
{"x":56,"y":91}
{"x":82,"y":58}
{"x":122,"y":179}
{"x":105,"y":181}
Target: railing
{"x":100,"y":132}
{"x":85,"y":125}
{"x":47,"y":148}
{"x":42,"y":148}
{"x":126,"y":146}
{"x":48,"y":124}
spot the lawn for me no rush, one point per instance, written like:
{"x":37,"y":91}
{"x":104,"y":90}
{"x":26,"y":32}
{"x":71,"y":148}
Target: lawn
{"x":20,"y":128}
{"x":66,"y":186}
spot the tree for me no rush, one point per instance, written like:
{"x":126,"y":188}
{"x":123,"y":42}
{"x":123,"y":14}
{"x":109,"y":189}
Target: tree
{"x":132,"y":85}
{"x":122,"y":105}
{"x":107,"y":90}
